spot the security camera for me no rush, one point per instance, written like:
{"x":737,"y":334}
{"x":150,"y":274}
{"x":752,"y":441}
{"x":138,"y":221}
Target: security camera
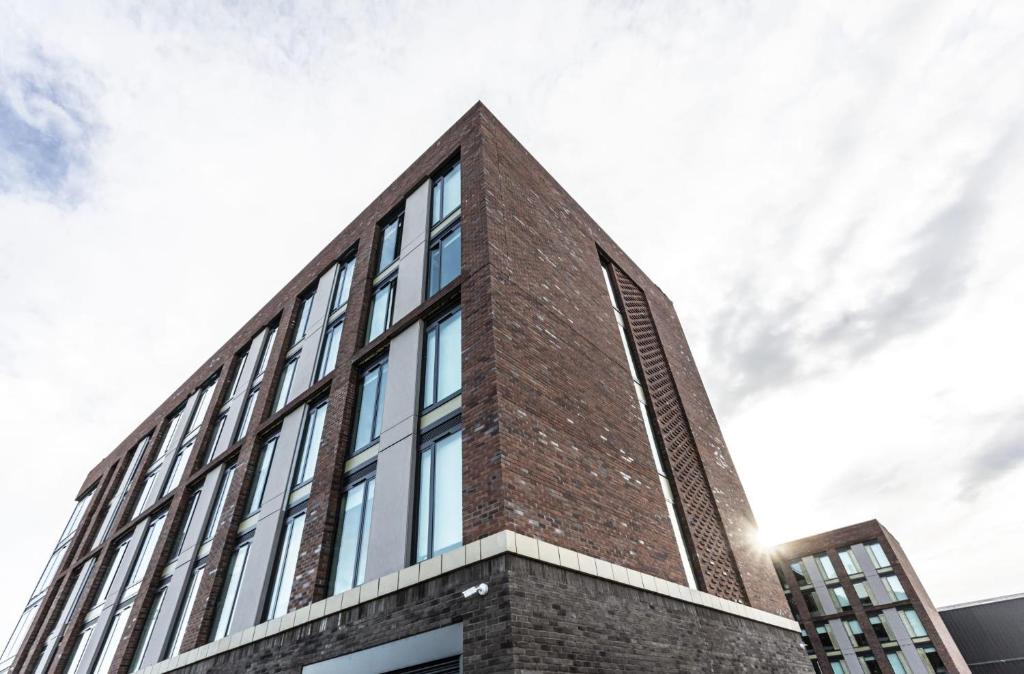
{"x":480,"y":589}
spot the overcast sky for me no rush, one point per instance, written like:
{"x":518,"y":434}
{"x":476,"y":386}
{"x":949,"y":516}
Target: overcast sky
{"x":831,"y":197}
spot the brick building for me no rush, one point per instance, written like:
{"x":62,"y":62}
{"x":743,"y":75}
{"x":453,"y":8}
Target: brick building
{"x":471,"y":384}
{"x":861,"y":606}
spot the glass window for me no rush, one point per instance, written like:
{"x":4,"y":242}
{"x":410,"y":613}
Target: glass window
{"x":218,"y":430}
{"x":302,"y":320}
{"x":838,"y":666}
{"x":442,"y":361}
{"x":828,"y":571}
{"x":857,"y":635}
{"x":268,"y":346}
{"x":284,"y":388}
{"x":144,"y":492}
{"x":811,"y":599}
{"x":113,"y":640}
{"x":226,"y":610}
{"x":839,"y":597}
{"x":897,"y":662}
{"x":250,"y":405}
{"x":878,"y":557}
{"x":178,"y":466}
{"x":115,"y":564}
{"x":305,"y":462}
{"x":190,"y":513}
{"x":83,"y":642}
{"x":239,"y":367}
{"x":77,"y":513}
{"x":205,"y":394}
{"x":439,"y":503}
{"x":329,"y":354}
{"x":870,"y":665}
{"x":50,"y":570}
{"x":825,"y":637}
{"x":146,"y":549}
{"x":134,"y":458}
{"x":381,"y":310}
{"x":181,"y":622}
{"x":782,"y":578}
{"x":444,"y":260}
{"x":165,"y":443}
{"x":259,"y":485}
{"x":370,"y":408}
{"x":147,"y":629}
{"x":20,"y":630}
{"x":798,"y":570}
{"x":880,"y":627}
{"x":815,"y":665}
{"x":931,"y":660}
{"x":342,"y":284}
{"x":284,"y":568}
{"x":849,"y":561}
{"x":913,"y":623}
{"x":867,"y":598}
{"x":895,"y":587}
{"x":390,"y":244}
{"x":447,"y":193}
{"x":350,"y":551}
{"x":218,"y":503}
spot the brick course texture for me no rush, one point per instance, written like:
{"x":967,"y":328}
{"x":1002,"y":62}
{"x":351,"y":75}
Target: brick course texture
{"x":536,"y":618}
{"x":553,"y":442}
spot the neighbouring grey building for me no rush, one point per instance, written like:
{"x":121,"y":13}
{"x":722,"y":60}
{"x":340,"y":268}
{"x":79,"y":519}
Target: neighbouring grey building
{"x":989,"y":633}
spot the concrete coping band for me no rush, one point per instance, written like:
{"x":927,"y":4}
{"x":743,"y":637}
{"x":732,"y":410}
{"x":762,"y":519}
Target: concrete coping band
{"x":504,"y":542}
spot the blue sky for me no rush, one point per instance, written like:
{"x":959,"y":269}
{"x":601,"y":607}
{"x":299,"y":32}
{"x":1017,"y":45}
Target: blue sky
{"x":829,"y":194}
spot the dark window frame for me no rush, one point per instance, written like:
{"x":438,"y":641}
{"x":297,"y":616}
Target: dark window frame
{"x":378,"y":405}
{"x":428,"y":442}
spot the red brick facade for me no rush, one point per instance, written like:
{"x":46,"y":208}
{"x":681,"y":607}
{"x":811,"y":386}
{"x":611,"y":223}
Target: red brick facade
{"x":553,"y":443}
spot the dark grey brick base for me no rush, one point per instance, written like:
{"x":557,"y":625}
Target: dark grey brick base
{"x":536,"y":618}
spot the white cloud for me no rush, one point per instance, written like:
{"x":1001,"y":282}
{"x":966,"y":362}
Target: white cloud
{"x":827,"y":194}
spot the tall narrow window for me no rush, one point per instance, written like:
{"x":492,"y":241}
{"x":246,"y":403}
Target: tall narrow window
{"x":20,"y":630}
{"x":77,"y":513}
{"x":113,"y":640}
{"x":284,"y":568}
{"x":867,"y":598}
{"x":181,"y":622}
{"x":839,"y":598}
{"x":838,"y":666}
{"x":329,"y":354}
{"x":218,"y":503}
{"x":190,"y":513}
{"x":302,"y":320}
{"x":828,"y":571}
{"x":444,"y":260}
{"x":108,"y":579}
{"x":201,"y":406}
{"x":447,"y":193}
{"x":134,"y":459}
{"x":350,"y":552}
{"x":811,"y":599}
{"x":146,"y":549}
{"x":250,"y":406}
{"x":678,"y":525}
{"x":284,"y":388}
{"x":259,"y":484}
{"x":897,"y":662}
{"x":305,"y":462}
{"x":50,"y":570}
{"x":390,"y":244}
{"x":870,"y":664}
{"x":381,"y":309}
{"x":849,"y":562}
{"x":878,"y":557}
{"x":226,"y":610}
{"x":895,"y":588}
{"x":74,"y":665}
{"x":178,"y":466}
{"x":370,"y":407}
{"x":239,"y":371}
{"x":913,"y":623}
{"x":342,"y":284}
{"x":857,"y":635}
{"x":145,"y":491}
{"x":218,"y":430}
{"x":824,"y":633}
{"x":439,"y":498}
{"x":165,"y":443}
{"x":268,"y":345}
{"x":147,"y":629}
{"x":880,"y":627}
{"x":442,"y":361}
